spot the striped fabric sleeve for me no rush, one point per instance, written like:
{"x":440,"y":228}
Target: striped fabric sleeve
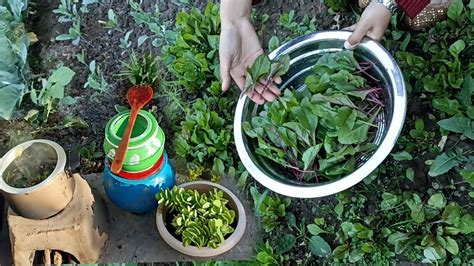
{"x":412,"y":7}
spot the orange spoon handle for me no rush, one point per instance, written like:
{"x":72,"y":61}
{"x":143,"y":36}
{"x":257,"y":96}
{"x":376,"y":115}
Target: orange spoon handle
{"x":122,"y":149}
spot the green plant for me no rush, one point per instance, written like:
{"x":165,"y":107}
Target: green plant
{"x":67,"y":10}
{"x":124,"y":41}
{"x":450,"y":159}
{"x":305,"y":26}
{"x":96,"y":79}
{"x":52,"y":91}
{"x":13,"y":51}
{"x":206,"y":136}
{"x":193,"y":57}
{"x":74,"y":33}
{"x":266,"y":254}
{"x":337,"y":4}
{"x":202,"y":220}
{"x":163,"y":36}
{"x":270,"y":209}
{"x":112,"y":22}
{"x":90,"y":152}
{"x":141,"y":71}
{"x":320,"y":131}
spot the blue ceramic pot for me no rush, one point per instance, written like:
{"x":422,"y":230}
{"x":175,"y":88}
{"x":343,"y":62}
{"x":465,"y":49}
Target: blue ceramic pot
{"x":138,"y":196}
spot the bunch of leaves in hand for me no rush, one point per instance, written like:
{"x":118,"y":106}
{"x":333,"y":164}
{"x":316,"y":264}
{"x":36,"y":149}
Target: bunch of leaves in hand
{"x":270,"y":209}
{"x":206,"y":136}
{"x":324,"y":129}
{"x":193,"y":58}
{"x":202,"y":220}
{"x":13,"y":52}
{"x":141,"y":71}
{"x":264,"y":71}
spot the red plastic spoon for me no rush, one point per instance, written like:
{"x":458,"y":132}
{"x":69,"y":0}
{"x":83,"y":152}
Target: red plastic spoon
{"x":137,"y":96}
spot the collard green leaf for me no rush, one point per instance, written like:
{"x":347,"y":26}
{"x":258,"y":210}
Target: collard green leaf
{"x":459,"y":124}
{"x":466,"y":224}
{"x":446,"y":105}
{"x":280,"y":66}
{"x":443,"y":163}
{"x":464,"y":96}
{"x":452,"y":246}
{"x":319,"y":247}
{"x":431,"y":254}
{"x":402,"y":156}
{"x":10,"y":95}
{"x":417,"y":209}
{"x":451,"y":214}
{"x":455,"y":9}
{"x":285,"y":243}
{"x":310,"y":155}
{"x":389,"y":201}
{"x":468,"y":175}
{"x":358,"y":135}
{"x":437,"y":201}
{"x":315,"y":229}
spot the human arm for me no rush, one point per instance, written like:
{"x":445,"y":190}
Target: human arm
{"x":239,"y":46}
{"x":376,"y":18}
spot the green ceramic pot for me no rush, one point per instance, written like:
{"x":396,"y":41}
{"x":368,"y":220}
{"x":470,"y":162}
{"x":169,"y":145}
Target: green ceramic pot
{"x":146,"y":143}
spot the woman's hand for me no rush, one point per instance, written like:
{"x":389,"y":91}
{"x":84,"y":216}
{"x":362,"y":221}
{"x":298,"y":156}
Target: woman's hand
{"x":373,"y":23}
{"x":238,"y":48}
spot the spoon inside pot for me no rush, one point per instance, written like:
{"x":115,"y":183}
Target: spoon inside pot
{"x":137,"y":96}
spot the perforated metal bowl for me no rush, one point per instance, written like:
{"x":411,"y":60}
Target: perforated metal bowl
{"x":304,"y":52}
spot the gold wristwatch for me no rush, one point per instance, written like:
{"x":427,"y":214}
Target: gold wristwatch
{"x":391,"y":5}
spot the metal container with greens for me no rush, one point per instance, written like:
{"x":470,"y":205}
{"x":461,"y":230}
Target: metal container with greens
{"x":305,"y":52}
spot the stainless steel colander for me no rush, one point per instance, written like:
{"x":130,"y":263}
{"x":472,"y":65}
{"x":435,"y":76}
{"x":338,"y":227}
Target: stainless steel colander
{"x":304,"y":52}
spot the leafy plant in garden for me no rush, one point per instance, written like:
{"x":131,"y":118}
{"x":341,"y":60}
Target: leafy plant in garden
{"x":322,"y":130}
{"x":163,"y":36}
{"x":125,"y":43}
{"x":67,"y":10}
{"x":270,"y":209}
{"x":305,"y":26}
{"x":141,"y":71}
{"x":201,"y":219}
{"x":446,"y":75}
{"x":266,"y":254}
{"x":417,"y":228}
{"x":112,"y":22}
{"x":13,"y":51}
{"x":96,"y":79}
{"x":193,"y":58}
{"x":206,"y":136}
{"x":52,"y":91}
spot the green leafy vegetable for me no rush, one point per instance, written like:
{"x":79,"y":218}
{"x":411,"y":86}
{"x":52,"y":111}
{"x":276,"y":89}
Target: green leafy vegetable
{"x":13,"y":52}
{"x":201,"y":219}
{"x":264,"y":71}
{"x":322,"y":130}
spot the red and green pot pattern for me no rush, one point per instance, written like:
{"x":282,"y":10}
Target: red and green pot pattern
{"x":146,"y":143}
